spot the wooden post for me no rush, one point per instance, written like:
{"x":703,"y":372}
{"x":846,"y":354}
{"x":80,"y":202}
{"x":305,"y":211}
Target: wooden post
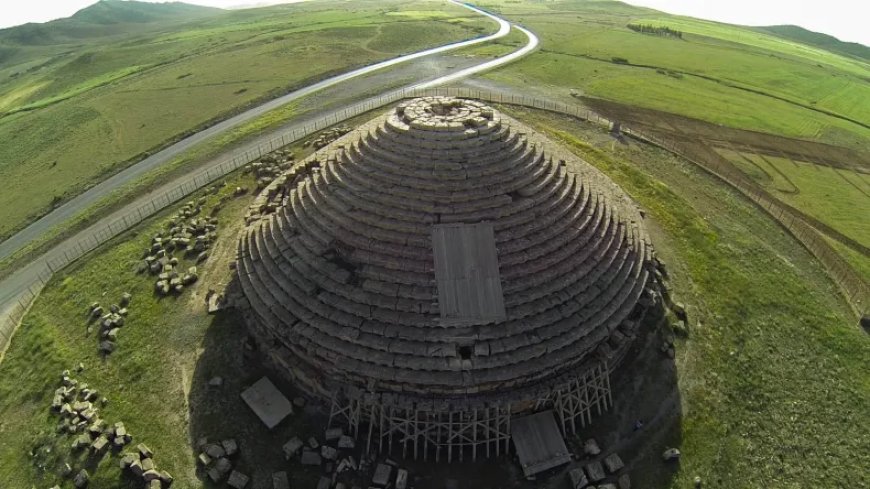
{"x":450,"y":437}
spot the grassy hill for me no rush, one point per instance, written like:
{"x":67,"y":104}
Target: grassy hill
{"x":819,"y":40}
{"x":126,"y":11}
{"x":105,"y":18}
{"x":72,"y":113}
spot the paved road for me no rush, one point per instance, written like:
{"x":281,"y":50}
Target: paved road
{"x":86,"y":199}
{"x":15,"y":287}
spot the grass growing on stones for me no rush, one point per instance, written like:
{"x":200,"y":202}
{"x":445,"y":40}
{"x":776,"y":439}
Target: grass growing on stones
{"x":87,"y":109}
{"x":774,"y":361}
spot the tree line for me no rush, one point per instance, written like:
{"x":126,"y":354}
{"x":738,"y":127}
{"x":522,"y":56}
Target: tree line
{"x":656,"y":30}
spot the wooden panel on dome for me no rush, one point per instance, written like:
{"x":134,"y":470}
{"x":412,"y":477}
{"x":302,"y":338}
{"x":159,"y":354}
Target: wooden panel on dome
{"x":466,"y":269}
{"x":539,"y":443}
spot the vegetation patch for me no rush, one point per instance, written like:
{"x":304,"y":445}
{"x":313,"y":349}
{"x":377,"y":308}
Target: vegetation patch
{"x":656,"y":30}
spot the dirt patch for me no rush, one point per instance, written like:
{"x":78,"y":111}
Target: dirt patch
{"x":677,"y":127}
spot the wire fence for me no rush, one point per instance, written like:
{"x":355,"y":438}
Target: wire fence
{"x":853,"y":286}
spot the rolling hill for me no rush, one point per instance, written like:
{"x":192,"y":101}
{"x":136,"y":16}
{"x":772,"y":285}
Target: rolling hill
{"x":105,"y":18}
{"x":819,"y":40}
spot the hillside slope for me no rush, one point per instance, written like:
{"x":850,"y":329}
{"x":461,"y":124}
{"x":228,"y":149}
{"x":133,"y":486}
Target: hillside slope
{"x":105,"y":18}
{"x":819,"y":40}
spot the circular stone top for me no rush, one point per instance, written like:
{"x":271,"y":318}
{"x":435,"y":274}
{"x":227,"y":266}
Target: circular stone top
{"x":341,"y":277}
{"x":444,"y":114}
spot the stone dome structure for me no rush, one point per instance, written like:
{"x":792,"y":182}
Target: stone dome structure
{"x":445,"y":260}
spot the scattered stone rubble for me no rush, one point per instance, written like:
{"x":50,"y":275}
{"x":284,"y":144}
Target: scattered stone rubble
{"x":216,"y":460}
{"x":186,"y":236}
{"x":335,"y":454}
{"x":77,"y":406}
{"x":110,"y":322}
{"x":281,"y":175}
{"x":597,"y":472}
{"x":326,"y":137}
{"x":270,"y":166}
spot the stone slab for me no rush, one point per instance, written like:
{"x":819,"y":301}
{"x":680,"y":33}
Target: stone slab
{"x":267,"y":402}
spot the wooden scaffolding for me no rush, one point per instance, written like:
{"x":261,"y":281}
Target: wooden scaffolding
{"x":446,"y":433}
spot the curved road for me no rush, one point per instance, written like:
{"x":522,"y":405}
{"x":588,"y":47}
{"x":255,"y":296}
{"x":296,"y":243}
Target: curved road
{"x":15,"y":287}
{"x":95,"y":193}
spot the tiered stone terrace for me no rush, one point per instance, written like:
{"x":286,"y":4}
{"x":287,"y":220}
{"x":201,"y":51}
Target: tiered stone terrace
{"x":340,"y":277}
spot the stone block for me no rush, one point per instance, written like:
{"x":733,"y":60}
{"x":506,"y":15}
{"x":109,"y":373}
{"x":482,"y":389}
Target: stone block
{"x":328,"y":453}
{"x":401,"y":479}
{"x":613,"y":463}
{"x":280,"y":481}
{"x":230,"y":446}
{"x":382,"y":475}
{"x":310,"y":457}
{"x":595,"y":472}
{"x":238,"y":480}
{"x":346,"y":442}
{"x":590,"y":447}
{"x":577,"y":478}
{"x":292,"y":447}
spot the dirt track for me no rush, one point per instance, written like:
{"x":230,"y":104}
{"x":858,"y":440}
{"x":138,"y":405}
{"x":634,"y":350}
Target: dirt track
{"x":673,"y":126}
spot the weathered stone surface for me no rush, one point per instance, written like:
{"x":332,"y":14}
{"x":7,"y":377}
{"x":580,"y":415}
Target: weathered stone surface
{"x":624,"y":482}
{"x":280,"y":480}
{"x":223,"y":466}
{"x":82,"y":479}
{"x":150,"y":475}
{"x":401,"y":479}
{"x":267,"y":402}
{"x":613,"y":463}
{"x":214,"y":450}
{"x":203,"y":459}
{"x":595,"y":472}
{"x":292,"y":447}
{"x":590,"y":447}
{"x":310,"y":457}
{"x":230,"y":446}
{"x":382,"y":475}
{"x":166,"y":477}
{"x":136,"y":467}
{"x":100,"y":444}
{"x":333,"y":434}
{"x":238,"y":480}
{"x":671,"y":454}
{"x":346,"y":442}
{"x":328,"y":453}
{"x":577,"y":479}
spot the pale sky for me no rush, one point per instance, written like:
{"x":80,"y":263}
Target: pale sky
{"x":845,"y":19}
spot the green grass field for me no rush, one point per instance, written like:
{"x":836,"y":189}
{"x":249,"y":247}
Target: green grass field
{"x":837,"y":197}
{"x":718,"y":73}
{"x":93,"y":108}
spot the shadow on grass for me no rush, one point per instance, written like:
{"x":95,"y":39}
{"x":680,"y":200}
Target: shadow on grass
{"x":218,"y":413}
{"x":644,"y":390}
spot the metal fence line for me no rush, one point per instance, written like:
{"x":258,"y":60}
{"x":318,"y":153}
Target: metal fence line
{"x":854,"y":288}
